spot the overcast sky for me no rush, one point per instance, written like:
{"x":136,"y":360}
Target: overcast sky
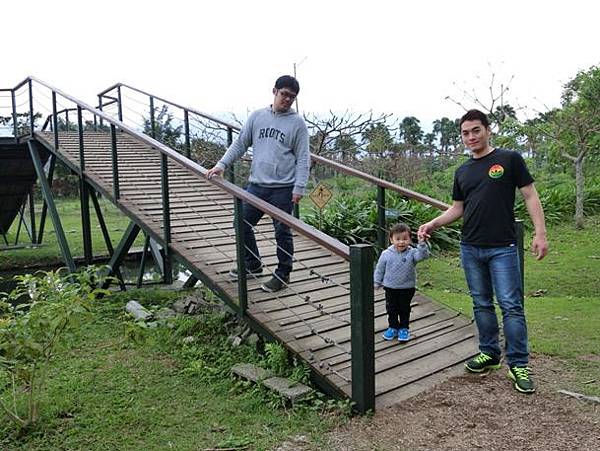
{"x":224,"y":55}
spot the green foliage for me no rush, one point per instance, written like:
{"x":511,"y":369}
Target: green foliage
{"x":559,"y":202}
{"x":348,"y":218}
{"x":276,"y":358}
{"x":164,"y":130}
{"x":353,"y":219}
{"x":35,"y":321}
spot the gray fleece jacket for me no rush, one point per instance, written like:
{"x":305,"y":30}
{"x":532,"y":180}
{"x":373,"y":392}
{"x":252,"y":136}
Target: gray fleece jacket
{"x":280,"y":155}
{"x":397,"y":269}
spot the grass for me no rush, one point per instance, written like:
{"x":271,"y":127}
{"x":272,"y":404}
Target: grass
{"x":107,"y":394}
{"x":562,"y":306}
{"x":70,"y":215}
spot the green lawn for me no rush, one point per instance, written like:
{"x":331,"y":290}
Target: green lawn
{"x":70,"y":215}
{"x":107,"y":393}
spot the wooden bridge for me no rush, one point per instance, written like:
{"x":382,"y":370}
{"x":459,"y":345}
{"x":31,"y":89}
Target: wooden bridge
{"x":328,"y":315}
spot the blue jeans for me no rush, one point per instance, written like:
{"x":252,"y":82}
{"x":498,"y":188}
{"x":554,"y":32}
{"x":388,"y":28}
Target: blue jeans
{"x":496,"y":270}
{"x":282,"y":199}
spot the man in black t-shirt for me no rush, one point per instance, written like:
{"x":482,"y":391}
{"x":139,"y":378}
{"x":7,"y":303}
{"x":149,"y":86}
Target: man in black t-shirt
{"x":484,"y":195}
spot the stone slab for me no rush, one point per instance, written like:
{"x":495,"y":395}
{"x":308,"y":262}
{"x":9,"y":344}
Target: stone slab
{"x":251,"y":372}
{"x":288,"y":389}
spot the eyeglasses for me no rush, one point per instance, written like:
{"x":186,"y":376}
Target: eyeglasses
{"x":287,"y":94}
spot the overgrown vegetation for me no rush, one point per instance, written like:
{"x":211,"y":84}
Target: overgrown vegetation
{"x":123,"y":386}
{"x":35,"y":320}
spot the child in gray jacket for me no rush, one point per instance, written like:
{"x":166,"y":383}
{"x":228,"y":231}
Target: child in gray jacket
{"x":395,"y":271}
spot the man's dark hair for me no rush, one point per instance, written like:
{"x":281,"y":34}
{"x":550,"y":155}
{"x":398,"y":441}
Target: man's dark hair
{"x":475,"y":115}
{"x":399,"y":228}
{"x":287,"y":81}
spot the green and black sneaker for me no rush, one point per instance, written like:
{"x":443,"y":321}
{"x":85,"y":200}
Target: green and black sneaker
{"x":482,"y":362}
{"x":521,"y":378}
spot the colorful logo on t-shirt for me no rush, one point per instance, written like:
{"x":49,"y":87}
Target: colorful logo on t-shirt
{"x":496,"y":171}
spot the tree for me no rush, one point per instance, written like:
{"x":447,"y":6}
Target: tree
{"x":411,"y":135}
{"x":346,"y":148}
{"x":577,"y":128}
{"x":163,"y":131}
{"x":572,"y":132}
{"x":379,"y":140}
{"x":326,"y":131}
{"x":448,"y":133}
{"x":495,"y":106}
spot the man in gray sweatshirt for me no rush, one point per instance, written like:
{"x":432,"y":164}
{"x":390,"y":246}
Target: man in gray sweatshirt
{"x":280,"y":167}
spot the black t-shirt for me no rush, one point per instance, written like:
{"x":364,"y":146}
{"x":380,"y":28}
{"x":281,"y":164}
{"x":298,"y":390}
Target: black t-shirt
{"x":487,"y":187}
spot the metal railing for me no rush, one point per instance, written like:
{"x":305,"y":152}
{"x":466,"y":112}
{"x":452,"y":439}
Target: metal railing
{"x":45,"y":100}
{"x":121,"y":96}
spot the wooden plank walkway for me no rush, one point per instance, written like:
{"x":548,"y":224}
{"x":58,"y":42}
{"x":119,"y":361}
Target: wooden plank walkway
{"x":312,"y":315}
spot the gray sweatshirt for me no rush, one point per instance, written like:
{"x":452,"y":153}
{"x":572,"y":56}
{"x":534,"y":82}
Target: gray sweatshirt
{"x":397,"y":269}
{"x":280,"y":155}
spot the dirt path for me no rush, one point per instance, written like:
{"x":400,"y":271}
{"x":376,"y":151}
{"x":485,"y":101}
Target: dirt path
{"x":474,"y":412}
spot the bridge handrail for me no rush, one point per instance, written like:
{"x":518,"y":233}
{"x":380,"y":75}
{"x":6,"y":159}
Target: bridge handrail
{"x":316,"y":158}
{"x":323,"y":239}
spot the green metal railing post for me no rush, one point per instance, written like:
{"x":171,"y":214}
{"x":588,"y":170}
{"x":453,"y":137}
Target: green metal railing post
{"x":67,"y":123}
{"x":152,"y":121}
{"x":119,"y":105}
{"x":115,"y":161}
{"x":100,"y":106}
{"x":84,"y":194}
{"x":80,"y":134}
{"x":51,"y":168}
{"x":54,"y":120}
{"x":186,"y":125}
{"x":14,"y":114}
{"x":240,"y":245}
{"x":381,"y":223}
{"x":362,"y":316}
{"x":164,"y":180}
{"x":230,"y":172}
{"x":31,"y":119}
{"x":520,"y":229}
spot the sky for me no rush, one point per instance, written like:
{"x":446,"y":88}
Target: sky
{"x":398,"y":57}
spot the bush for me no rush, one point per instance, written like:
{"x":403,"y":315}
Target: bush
{"x":353,"y":220}
{"x":35,"y":320}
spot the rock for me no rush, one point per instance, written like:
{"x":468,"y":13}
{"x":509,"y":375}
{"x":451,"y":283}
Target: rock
{"x":166,"y":313}
{"x":180,"y":306}
{"x":250,"y":372}
{"x":236,"y":341}
{"x":286,"y":388}
{"x":253,"y":339}
{"x":188,"y":340}
{"x":138,"y":311}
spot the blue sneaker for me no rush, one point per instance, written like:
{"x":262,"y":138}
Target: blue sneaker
{"x":390,"y":334}
{"x":403,"y":335}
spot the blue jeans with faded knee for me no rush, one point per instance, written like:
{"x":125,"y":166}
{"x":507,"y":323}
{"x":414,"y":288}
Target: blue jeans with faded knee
{"x":495,"y":270}
{"x":280,"y":197}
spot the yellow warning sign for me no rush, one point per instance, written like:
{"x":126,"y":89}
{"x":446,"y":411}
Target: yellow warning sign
{"x":321,"y":195}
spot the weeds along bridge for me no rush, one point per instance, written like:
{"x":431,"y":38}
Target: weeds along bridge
{"x":328,"y":315}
